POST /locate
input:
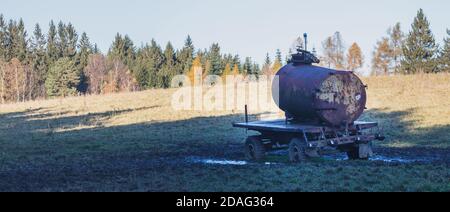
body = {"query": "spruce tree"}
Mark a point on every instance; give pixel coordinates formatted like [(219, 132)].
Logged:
[(63, 78), (247, 67), (156, 61), (278, 62), (419, 49), (61, 41), (130, 51), (444, 58), (237, 61), (95, 49), (123, 49), (186, 56), (256, 70), (82, 58), (52, 44), (39, 61), (215, 59), (22, 42), (168, 70), (141, 67), (278, 56), (72, 40)]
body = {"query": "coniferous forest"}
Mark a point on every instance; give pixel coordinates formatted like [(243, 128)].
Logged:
[(65, 62)]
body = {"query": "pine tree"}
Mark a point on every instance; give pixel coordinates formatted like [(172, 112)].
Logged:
[(278, 56), (256, 70), (420, 49), (63, 78), (168, 70), (355, 58), (72, 40), (186, 56), (141, 68), (267, 67), (444, 57), (82, 58), (39, 62), (95, 49), (130, 51), (215, 59), (16, 43), (237, 61), (247, 67), (123, 49), (277, 64), (52, 44), (156, 60), (61, 41), (21, 42)]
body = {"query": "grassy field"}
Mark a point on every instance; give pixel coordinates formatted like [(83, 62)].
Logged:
[(136, 142)]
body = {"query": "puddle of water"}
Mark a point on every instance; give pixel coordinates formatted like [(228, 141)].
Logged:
[(382, 158), (396, 159), (224, 162), (338, 157), (219, 162)]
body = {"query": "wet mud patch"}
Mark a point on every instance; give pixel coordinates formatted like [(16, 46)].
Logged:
[(280, 157), (224, 162)]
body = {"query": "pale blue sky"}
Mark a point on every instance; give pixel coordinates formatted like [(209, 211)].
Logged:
[(247, 27)]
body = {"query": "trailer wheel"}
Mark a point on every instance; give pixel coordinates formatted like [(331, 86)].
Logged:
[(353, 153), (297, 150), (360, 152), (254, 148)]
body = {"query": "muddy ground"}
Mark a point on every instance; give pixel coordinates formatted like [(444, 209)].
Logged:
[(392, 169)]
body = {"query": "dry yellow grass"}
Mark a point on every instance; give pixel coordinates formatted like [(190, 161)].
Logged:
[(427, 96), (423, 99), (413, 110)]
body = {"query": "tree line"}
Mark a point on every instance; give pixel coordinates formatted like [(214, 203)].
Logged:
[(62, 63), (395, 53)]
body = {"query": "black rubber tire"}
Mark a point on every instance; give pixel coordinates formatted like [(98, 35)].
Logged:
[(254, 149), (353, 154), (297, 150)]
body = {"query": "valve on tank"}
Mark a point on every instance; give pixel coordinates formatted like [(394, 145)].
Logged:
[(303, 56)]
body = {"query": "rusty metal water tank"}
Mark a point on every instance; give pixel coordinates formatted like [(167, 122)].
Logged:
[(309, 93)]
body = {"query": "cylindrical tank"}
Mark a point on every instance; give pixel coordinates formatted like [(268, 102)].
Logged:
[(311, 93)]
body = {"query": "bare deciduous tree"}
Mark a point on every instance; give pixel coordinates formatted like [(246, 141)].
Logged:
[(95, 72)]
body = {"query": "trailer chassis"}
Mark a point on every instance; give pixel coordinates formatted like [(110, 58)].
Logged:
[(308, 140)]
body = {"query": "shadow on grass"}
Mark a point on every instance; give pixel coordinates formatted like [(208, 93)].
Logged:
[(41, 151), (200, 136)]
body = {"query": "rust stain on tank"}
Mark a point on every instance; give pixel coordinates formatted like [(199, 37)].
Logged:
[(341, 89)]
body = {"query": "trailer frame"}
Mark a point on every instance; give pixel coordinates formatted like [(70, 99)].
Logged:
[(307, 139)]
